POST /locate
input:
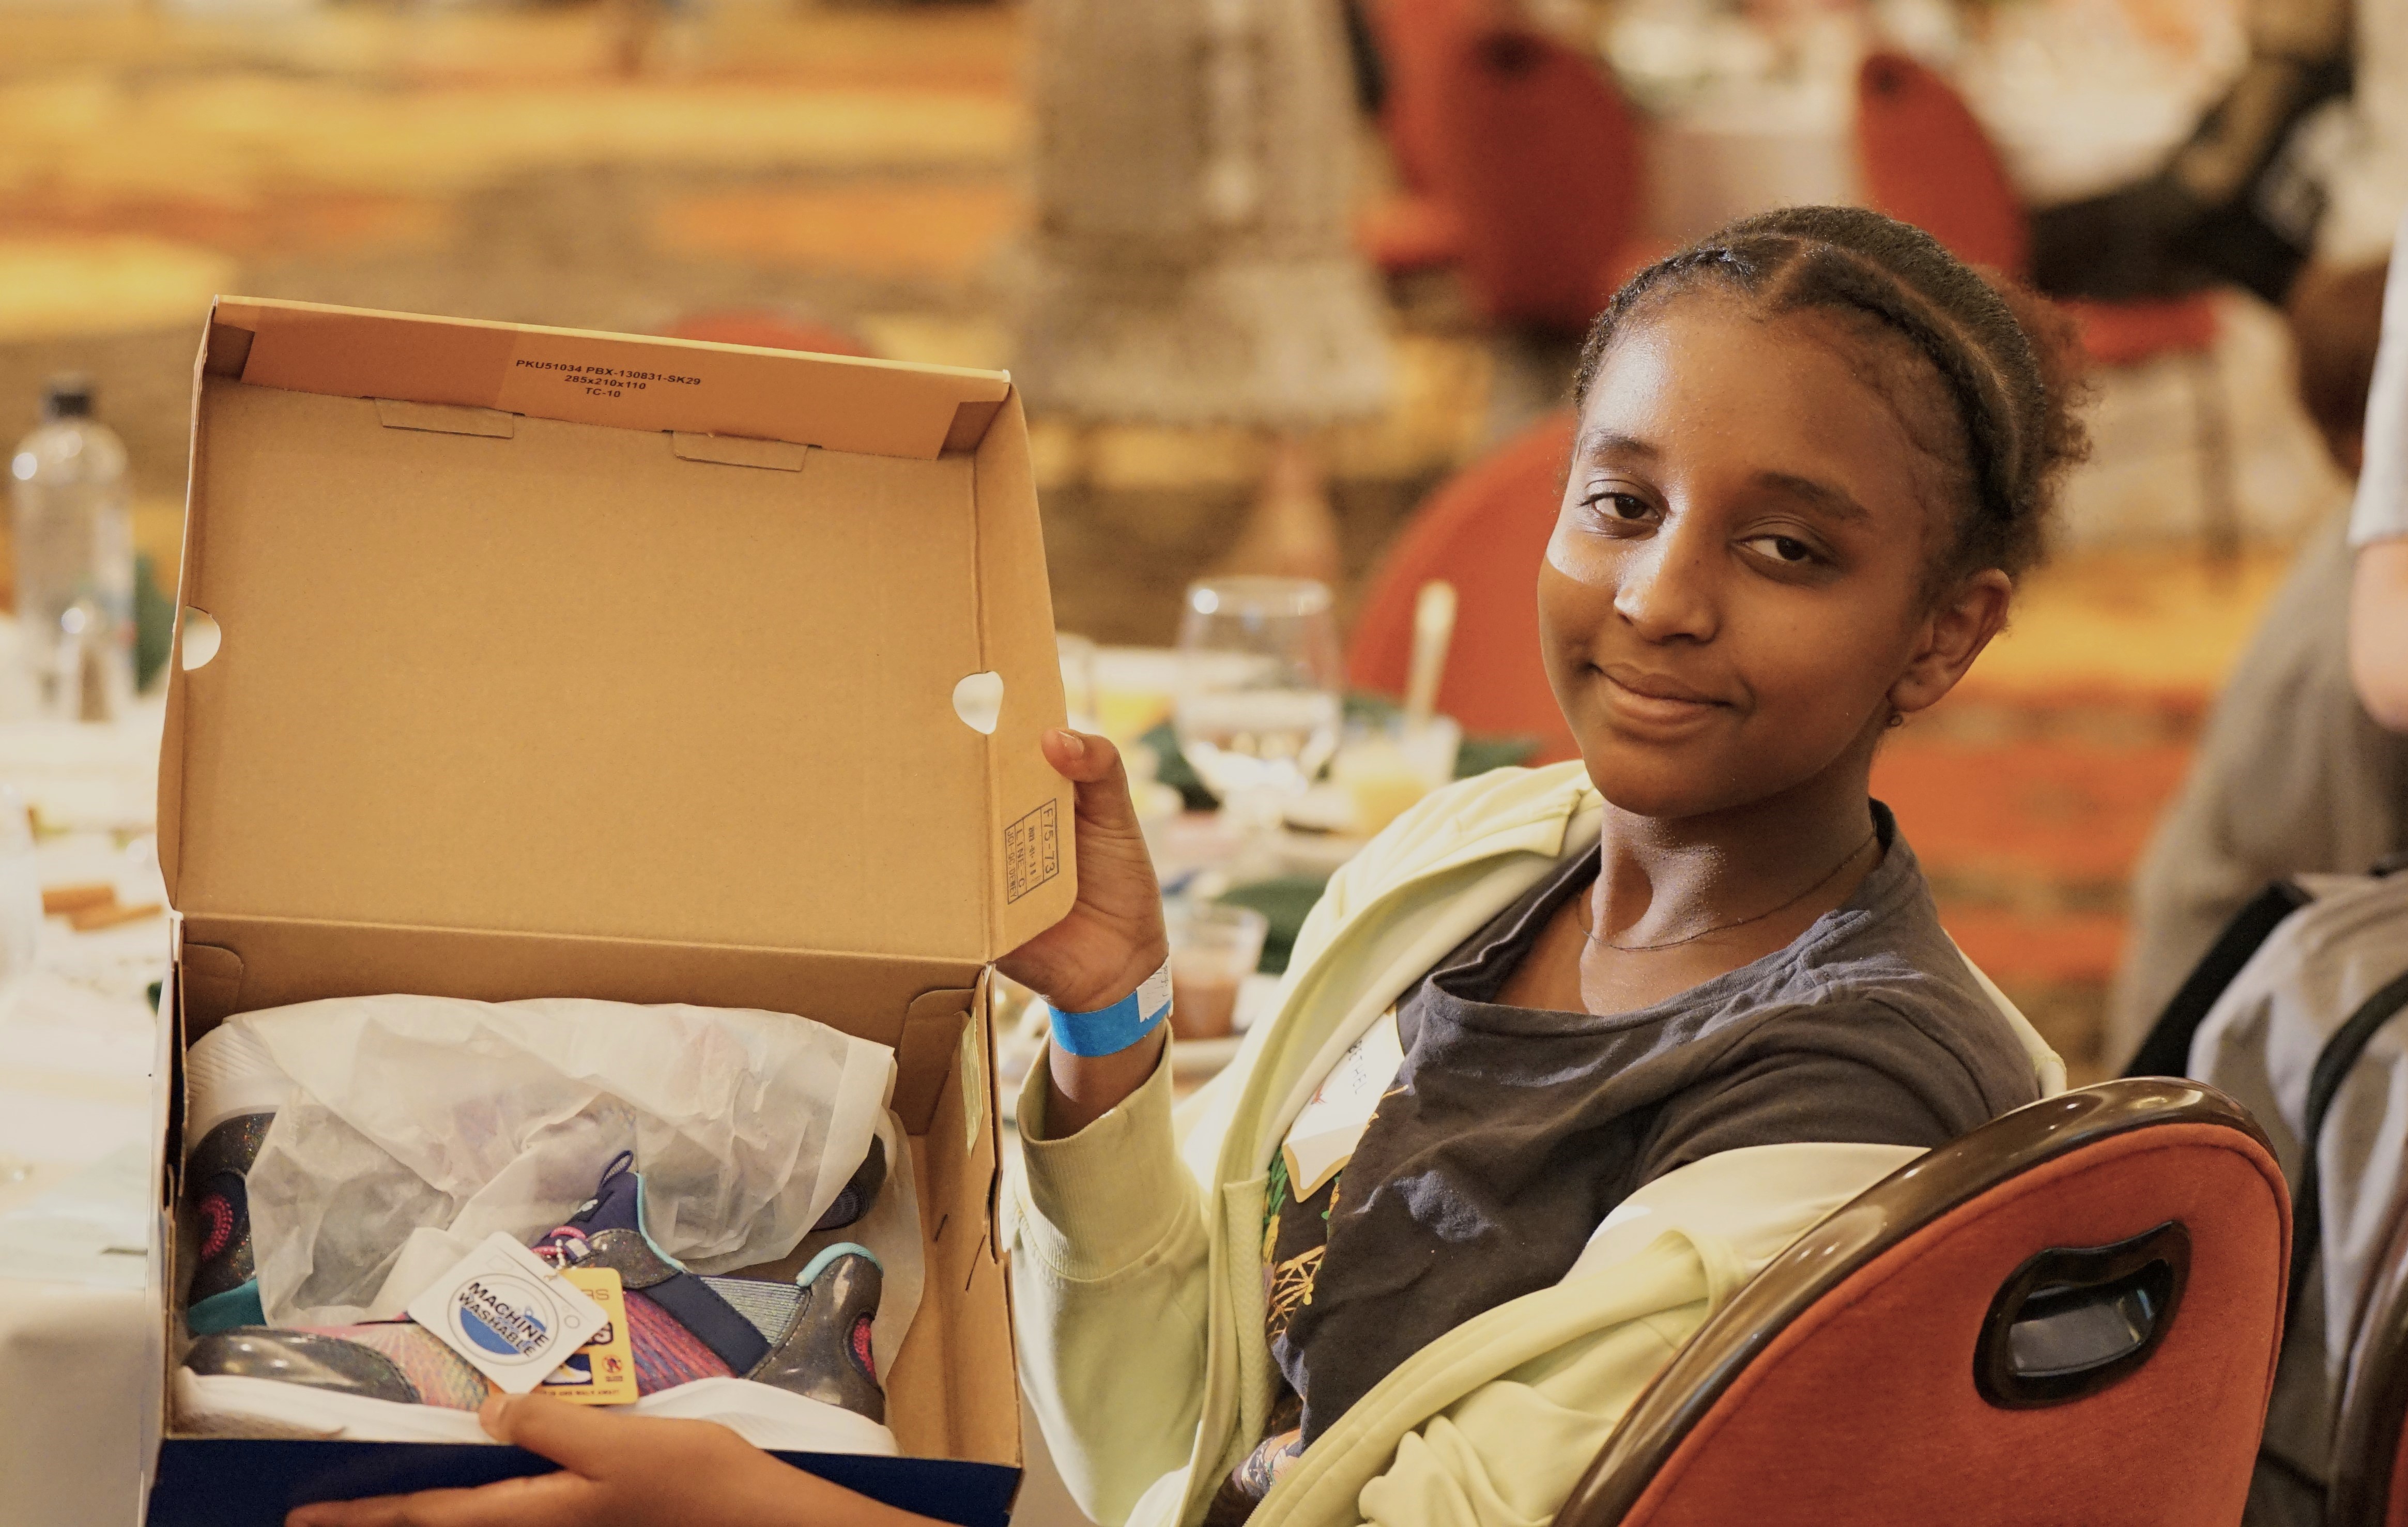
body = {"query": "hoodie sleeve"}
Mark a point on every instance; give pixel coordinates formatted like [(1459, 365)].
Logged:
[(1108, 1288)]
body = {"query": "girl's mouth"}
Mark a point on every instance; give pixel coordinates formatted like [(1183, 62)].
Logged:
[(1654, 702)]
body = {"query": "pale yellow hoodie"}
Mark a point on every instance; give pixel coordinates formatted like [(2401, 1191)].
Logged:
[(1138, 1283)]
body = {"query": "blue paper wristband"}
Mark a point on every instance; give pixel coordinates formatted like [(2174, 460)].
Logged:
[(1108, 1031)]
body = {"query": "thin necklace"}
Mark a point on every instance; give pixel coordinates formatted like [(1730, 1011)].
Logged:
[(1829, 876)]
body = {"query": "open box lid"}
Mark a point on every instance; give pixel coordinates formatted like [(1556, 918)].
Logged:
[(539, 631)]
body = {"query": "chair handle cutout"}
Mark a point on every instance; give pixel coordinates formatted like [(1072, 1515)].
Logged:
[(2073, 1320)]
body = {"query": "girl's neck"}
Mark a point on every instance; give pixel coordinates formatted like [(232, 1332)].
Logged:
[(1663, 879)]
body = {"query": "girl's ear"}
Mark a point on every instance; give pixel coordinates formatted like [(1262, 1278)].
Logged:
[(1959, 625)]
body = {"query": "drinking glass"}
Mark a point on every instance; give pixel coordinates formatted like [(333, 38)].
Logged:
[(1258, 708), (1213, 947)]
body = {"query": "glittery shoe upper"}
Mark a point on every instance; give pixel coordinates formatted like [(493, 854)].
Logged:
[(217, 1210)]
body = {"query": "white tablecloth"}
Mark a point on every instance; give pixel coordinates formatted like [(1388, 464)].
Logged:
[(76, 1043)]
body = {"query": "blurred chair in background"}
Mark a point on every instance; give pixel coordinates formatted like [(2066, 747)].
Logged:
[(1927, 161), (1524, 170), (2112, 1259), (1523, 165), (1542, 161), (1485, 530), (1415, 228)]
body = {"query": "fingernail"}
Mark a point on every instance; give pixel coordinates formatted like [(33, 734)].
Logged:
[(1071, 740)]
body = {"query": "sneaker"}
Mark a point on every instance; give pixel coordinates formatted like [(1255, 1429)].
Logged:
[(860, 1189), (231, 1090), (788, 1366)]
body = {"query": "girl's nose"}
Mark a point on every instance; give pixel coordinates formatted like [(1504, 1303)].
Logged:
[(1668, 591)]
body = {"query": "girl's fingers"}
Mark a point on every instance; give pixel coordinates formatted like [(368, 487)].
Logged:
[(578, 1437), (1080, 756), (1093, 763)]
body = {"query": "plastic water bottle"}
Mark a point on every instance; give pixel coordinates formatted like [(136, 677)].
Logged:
[(75, 558)]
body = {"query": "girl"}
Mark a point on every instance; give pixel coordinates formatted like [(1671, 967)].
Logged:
[(1592, 1043)]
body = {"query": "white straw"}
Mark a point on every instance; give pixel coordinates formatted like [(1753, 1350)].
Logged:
[(1433, 634)]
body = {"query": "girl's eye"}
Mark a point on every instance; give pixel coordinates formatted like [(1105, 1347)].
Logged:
[(1783, 548), (1626, 507)]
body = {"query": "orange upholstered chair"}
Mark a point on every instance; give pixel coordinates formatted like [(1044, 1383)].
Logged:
[(2069, 1316), (1521, 162), (2370, 1456), (1541, 159), (1415, 229), (1485, 531), (1927, 161)]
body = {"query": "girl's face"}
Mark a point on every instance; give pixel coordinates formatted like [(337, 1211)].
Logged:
[(1735, 599)]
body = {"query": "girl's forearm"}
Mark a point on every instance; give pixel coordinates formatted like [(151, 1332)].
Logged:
[(1081, 1088), (2378, 632)]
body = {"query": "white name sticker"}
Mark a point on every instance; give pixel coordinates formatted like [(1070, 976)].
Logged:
[(512, 1317), (1323, 1138), (1154, 996)]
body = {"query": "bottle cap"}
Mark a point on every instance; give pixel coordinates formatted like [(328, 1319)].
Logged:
[(67, 397)]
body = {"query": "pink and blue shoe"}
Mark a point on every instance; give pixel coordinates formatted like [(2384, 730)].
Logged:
[(788, 1366)]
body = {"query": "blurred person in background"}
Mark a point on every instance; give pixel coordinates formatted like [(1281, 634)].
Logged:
[(2292, 776), (1193, 262), (2306, 155), (2378, 526)]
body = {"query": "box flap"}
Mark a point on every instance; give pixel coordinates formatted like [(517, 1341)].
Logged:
[(539, 632)]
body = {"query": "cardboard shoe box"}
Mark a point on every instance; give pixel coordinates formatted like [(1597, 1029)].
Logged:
[(522, 661)]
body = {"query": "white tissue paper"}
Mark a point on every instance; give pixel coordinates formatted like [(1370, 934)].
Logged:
[(418, 1126)]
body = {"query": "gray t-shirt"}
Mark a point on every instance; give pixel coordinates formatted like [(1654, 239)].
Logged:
[(1512, 1131)]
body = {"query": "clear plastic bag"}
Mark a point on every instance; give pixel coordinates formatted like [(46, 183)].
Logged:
[(420, 1126)]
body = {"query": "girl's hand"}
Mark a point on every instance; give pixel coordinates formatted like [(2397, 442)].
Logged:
[(1112, 937), (626, 1471)]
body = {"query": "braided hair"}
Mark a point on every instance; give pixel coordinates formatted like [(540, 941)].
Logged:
[(2008, 363)]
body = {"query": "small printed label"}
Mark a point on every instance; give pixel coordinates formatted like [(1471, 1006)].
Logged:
[(1032, 853), (603, 1371), (511, 1316), (593, 379)]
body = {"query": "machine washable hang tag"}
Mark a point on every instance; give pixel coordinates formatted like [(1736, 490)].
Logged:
[(1321, 1140), (512, 1317), (603, 1371)]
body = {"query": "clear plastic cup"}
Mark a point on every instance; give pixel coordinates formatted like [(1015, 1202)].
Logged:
[(1385, 766), (1213, 948)]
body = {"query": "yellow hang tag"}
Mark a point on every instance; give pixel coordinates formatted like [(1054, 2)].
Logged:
[(603, 1371)]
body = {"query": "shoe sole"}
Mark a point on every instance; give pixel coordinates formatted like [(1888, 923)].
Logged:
[(220, 1403)]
